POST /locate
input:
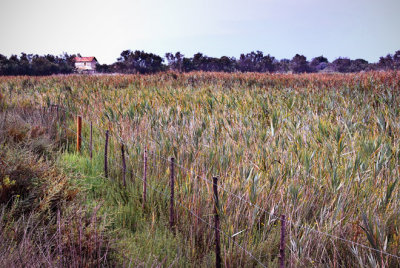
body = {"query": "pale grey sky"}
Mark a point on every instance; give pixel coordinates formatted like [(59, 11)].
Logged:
[(349, 28)]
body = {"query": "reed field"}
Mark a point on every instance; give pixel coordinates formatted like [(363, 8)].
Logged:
[(321, 149)]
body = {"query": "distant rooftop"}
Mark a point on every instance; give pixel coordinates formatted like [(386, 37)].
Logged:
[(85, 59)]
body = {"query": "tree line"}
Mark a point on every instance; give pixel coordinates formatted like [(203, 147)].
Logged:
[(146, 63), (30, 64)]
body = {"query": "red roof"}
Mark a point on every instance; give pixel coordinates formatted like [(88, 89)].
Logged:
[(85, 59)]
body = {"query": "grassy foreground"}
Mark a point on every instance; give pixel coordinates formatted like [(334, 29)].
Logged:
[(322, 149), (42, 221), (58, 210)]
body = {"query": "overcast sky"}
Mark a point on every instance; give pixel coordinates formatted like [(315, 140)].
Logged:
[(349, 28)]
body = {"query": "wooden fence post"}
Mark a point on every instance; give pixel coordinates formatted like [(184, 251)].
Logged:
[(171, 205), (282, 245), (216, 224), (123, 165), (144, 176), (79, 133), (91, 140), (106, 157)]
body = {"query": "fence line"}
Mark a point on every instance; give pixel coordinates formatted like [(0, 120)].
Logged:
[(310, 229), (184, 207)]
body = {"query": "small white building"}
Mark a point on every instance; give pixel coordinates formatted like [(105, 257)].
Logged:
[(86, 64)]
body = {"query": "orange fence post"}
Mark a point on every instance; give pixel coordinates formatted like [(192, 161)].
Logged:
[(79, 134)]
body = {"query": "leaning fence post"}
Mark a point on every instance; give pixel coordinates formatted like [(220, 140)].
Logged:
[(144, 176), (91, 140), (105, 156), (282, 245), (123, 165), (79, 133), (216, 224), (171, 205)]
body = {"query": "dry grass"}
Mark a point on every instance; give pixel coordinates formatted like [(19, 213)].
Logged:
[(321, 149), (41, 224)]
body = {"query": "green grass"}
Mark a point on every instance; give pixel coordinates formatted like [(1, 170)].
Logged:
[(142, 237)]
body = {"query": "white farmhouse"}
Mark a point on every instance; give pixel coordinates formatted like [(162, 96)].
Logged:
[(85, 64)]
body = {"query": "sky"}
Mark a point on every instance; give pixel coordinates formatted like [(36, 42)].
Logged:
[(364, 29)]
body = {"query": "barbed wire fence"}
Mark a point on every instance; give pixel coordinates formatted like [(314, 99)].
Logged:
[(164, 194), (222, 187)]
